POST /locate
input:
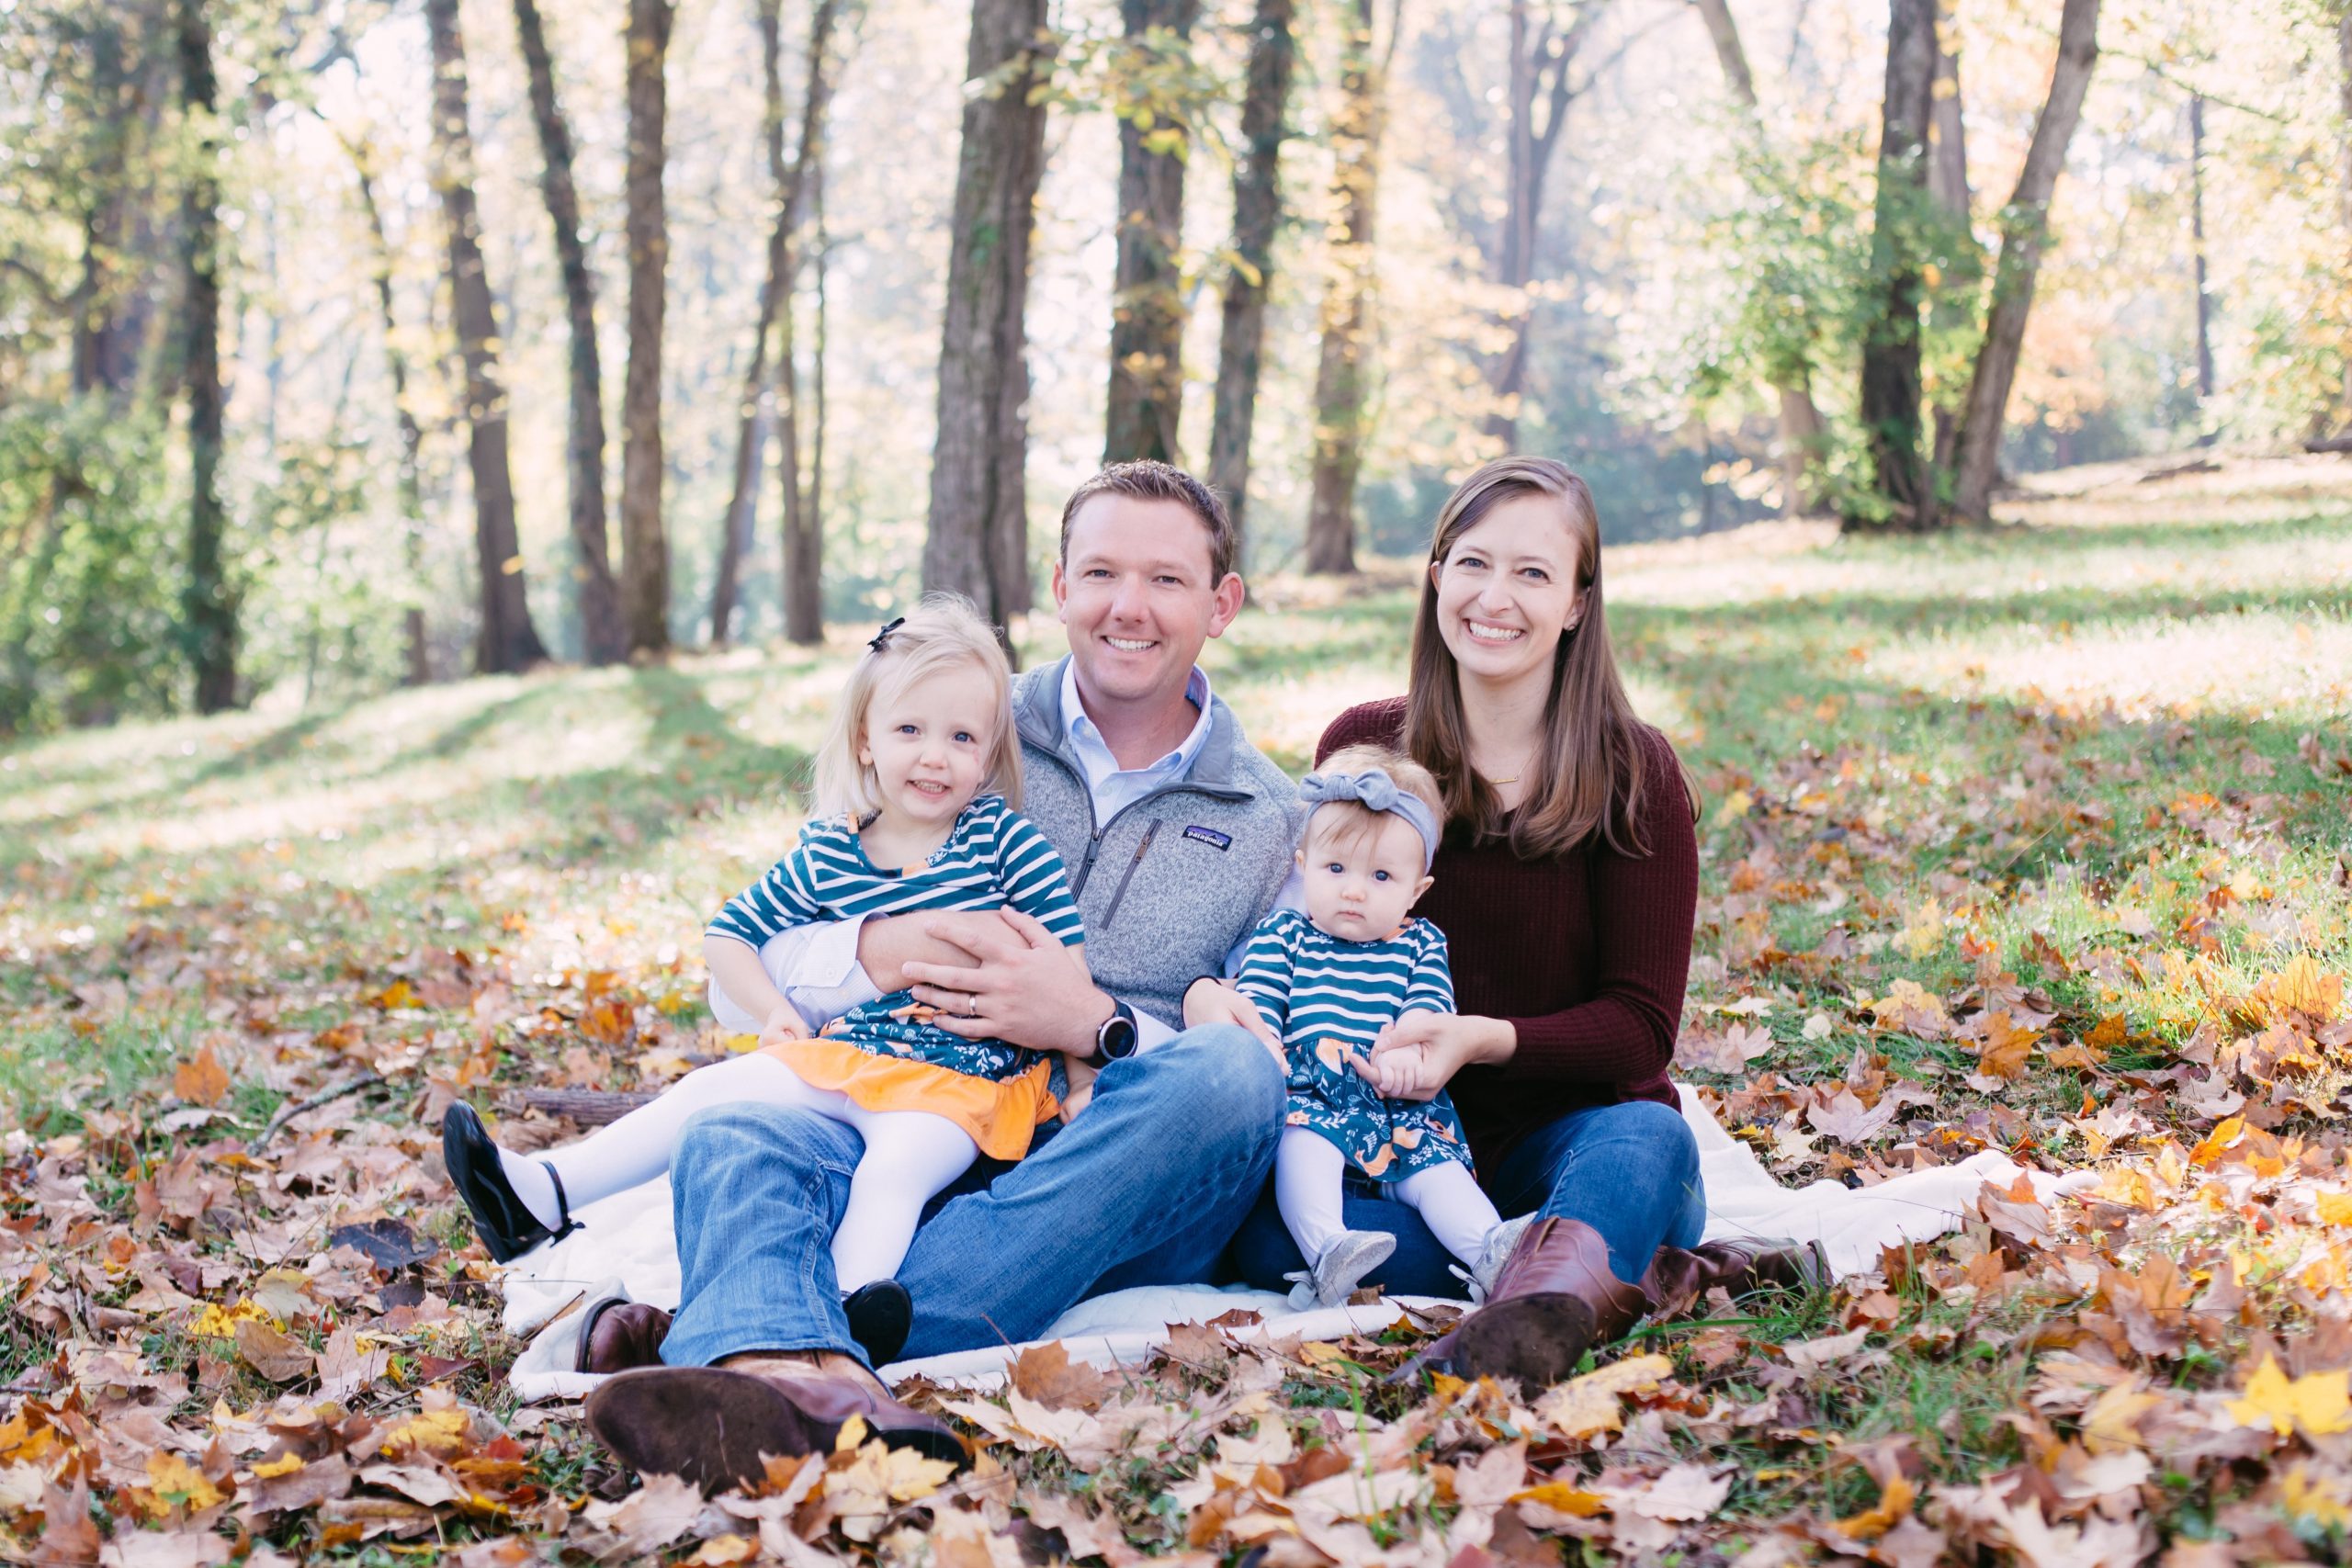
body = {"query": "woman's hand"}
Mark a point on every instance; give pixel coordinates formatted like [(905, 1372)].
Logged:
[(785, 1023), (1418, 1054), (1211, 1000)]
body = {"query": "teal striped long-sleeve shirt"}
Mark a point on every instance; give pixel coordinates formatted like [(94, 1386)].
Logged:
[(993, 858)]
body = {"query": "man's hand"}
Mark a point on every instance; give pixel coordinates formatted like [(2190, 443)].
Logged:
[(1418, 1053), (1019, 983), (785, 1023), (887, 944), (1211, 1000)]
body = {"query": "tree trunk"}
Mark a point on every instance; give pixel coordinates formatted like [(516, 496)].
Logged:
[(756, 412), (1724, 33), (763, 407), (411, 488), (1536, 105), (1800, 421), (2196, 248), (2025, 225), (645, 549), (1147, 393), (2343, 86), (604, 638), (1948, 193), (804, 545), (978, 539), (1890, 391), (104, 357), (507, 640), (209, 607), (1257, 213), (1343, 415)]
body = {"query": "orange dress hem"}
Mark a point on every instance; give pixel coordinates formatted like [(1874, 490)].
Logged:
[(1000, 1115)]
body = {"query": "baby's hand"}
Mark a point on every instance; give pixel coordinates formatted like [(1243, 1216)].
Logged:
[(1209, 1000), (1400, 1072), (783, 1024)]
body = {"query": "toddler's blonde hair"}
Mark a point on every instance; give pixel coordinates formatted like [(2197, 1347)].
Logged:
[(1347, 821), (942, 632)]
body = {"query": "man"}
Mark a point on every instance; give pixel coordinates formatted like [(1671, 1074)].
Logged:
[(1177, 835)]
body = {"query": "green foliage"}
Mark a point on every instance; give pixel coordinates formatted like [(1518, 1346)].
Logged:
[(313, 562), (89, 568)]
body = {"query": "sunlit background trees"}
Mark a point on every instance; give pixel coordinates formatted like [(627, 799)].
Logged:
[(345, 342)]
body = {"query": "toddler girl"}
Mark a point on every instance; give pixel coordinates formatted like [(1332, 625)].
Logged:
[(912, 790), (1328, 978)]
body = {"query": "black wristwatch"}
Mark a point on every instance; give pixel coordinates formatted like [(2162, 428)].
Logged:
[(1115, 1037)]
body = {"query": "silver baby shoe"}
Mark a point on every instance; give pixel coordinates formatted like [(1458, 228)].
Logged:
[(1346, 1260)]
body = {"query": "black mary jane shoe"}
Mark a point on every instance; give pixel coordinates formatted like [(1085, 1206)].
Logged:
[(880, 1315), (505, 1222)]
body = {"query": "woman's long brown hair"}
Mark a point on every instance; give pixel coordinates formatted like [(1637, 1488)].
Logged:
[(1588, 770)]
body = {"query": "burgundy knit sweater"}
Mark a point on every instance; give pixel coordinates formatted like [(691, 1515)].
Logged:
[(1585, 956)]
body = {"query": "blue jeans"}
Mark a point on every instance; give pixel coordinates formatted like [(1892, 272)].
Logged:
[(1630, 1171), (1145, 1187)]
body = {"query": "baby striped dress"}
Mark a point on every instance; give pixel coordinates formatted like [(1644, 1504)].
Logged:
[(1327, 997)]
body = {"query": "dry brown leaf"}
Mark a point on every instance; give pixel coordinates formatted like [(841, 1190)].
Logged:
[(278, 1356), (201, 1080), (1046, 1374)]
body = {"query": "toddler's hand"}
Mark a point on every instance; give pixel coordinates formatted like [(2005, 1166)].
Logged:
[(785, 1023)]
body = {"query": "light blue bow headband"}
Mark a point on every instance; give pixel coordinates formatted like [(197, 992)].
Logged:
[(1376, 789)]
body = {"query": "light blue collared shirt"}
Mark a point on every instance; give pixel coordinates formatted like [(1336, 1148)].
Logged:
[(1116, 788)]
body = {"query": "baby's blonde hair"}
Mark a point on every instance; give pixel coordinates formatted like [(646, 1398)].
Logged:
[(1347, 821), (940, 633)]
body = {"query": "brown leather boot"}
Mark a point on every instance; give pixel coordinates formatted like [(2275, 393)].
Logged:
[(620, 1334), (1553, 1298), (1679, 1276), (717, 1426)]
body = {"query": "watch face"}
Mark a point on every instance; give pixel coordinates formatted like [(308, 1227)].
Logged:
[(1116, 1038)]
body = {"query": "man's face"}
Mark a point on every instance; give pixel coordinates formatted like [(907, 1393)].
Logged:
[(1135, 590)]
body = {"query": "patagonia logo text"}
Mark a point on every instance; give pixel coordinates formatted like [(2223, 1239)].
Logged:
[(1209, 836)]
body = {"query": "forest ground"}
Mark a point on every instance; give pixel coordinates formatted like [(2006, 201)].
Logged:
[(2035, 839)]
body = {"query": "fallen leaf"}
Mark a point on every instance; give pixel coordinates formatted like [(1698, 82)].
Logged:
[(650, 1517), (1811, 1355), (201, 1080), (2320, 1403), (277, 1356), (1582, 1406), (1046, 1374)]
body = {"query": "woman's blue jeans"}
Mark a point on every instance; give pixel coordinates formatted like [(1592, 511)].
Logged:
[(1629, 1170)]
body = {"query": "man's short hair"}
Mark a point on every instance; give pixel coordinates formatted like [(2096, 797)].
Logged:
[(1147, 478)]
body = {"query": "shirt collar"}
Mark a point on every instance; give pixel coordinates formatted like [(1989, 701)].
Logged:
[(1082, 731)]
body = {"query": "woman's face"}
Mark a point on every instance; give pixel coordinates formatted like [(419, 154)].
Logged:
[(1507, 590)]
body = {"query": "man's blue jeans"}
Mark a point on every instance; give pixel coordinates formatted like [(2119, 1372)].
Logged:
[(1630, 1171), (1145, 1187)]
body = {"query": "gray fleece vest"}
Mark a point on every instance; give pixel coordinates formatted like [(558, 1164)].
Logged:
[(1169, 884)]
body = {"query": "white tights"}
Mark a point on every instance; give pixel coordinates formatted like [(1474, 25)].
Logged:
[(910, 1156), (1307, 1172)]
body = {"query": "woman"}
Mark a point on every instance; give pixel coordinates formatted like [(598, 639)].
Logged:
[(1566, 886)]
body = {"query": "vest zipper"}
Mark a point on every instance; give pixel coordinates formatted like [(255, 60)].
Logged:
[(1121, 891), (1100, 829)]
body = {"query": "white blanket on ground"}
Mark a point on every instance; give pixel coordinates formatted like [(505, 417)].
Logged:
[(627, 1248)]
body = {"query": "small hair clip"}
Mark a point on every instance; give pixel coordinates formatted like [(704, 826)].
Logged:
[(877, 641)]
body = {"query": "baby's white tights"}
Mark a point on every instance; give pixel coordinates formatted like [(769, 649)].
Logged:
[(910, 1156), (1308, 1169)]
